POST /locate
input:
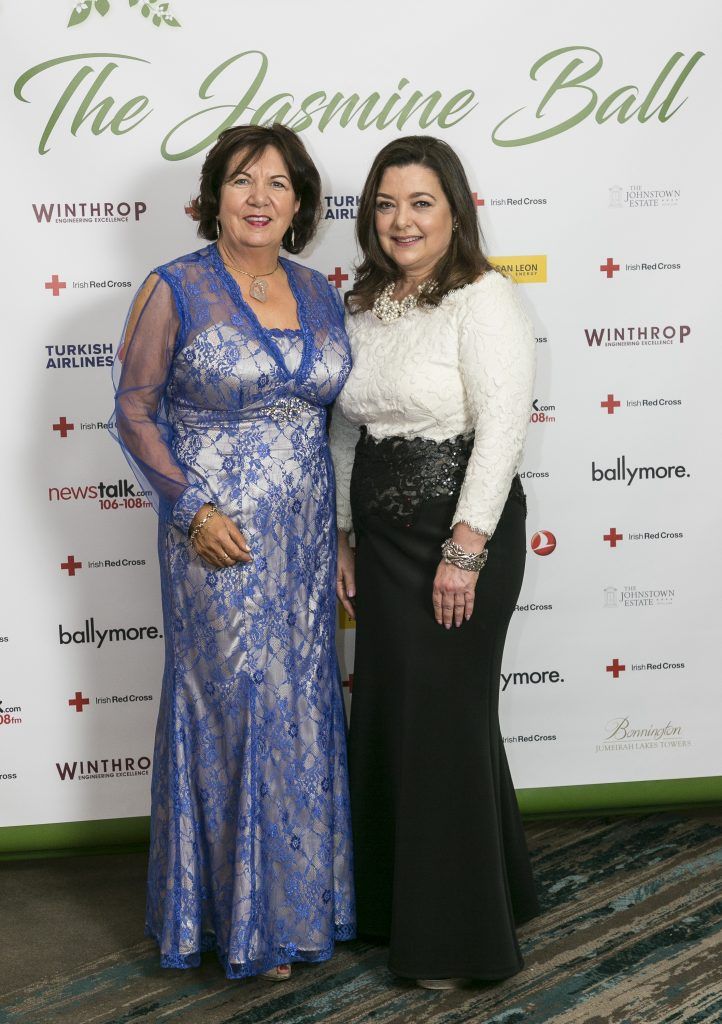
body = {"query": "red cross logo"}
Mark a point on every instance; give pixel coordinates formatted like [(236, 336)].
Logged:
[(348, 683), (609, 267), (71, 565), (475, 197), (338, 277), (610, 405), (78, 702), (55, 284), (613, 537), (615, 668), (63, 427)]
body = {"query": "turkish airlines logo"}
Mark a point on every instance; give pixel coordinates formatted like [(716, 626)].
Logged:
[(543, 542)]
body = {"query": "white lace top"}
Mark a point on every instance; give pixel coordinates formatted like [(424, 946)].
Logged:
[(467, 364)]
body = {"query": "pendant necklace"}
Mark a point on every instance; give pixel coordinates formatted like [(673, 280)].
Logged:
[(259, 286)]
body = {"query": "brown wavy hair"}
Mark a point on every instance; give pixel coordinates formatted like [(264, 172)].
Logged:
[(463, 262), (247, 142)]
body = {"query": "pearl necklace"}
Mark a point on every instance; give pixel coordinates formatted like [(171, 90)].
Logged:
[(388, 309)]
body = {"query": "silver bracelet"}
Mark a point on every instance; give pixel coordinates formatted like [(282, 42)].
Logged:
[(453, 554), (212, 511)]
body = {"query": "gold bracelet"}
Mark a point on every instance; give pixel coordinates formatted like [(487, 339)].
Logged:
[(212, 511)]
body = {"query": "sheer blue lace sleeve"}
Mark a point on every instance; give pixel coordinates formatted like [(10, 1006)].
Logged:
[(140, 424), (343, 437)]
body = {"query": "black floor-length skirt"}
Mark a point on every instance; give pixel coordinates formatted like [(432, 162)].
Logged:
[(442, 868)]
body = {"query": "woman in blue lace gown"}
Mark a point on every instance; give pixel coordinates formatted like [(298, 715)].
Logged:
[(230, 358)]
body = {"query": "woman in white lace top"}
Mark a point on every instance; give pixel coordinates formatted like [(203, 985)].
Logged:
[(427, 437)]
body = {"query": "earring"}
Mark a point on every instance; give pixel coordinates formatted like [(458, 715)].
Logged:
[(454, 225), (293, 236), (219, 227)]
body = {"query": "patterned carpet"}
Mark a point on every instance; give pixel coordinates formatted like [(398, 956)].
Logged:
[(631, 933)]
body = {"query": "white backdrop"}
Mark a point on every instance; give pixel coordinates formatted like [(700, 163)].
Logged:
[(587, 133)]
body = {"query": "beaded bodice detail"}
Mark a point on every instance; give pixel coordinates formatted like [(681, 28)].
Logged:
[(393, 476)]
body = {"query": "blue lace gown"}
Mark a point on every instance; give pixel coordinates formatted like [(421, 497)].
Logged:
[(250, 827)]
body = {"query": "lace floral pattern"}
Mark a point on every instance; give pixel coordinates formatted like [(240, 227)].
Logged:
[(392, 477), (250, 829), (465, 365)]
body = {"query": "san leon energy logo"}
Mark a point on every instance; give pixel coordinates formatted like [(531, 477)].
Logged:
[(522, 269), (543, 542), (622, 472)]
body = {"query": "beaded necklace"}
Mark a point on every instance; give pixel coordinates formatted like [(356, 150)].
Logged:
[(388, 309)]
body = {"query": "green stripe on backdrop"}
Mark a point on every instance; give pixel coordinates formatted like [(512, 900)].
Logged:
[(614, 796)]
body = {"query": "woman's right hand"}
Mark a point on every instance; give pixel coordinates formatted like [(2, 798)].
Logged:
[(219, 542), (346, 574)]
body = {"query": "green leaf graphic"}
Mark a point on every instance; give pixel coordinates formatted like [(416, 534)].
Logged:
[(79, 14), (158, 11)]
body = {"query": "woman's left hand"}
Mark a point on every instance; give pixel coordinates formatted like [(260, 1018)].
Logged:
[(453, 594)]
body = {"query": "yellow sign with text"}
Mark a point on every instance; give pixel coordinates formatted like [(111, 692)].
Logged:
[(522, 269), (344, 619)]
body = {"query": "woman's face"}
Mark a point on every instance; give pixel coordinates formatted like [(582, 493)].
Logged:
[(413, 219), (257, 202)]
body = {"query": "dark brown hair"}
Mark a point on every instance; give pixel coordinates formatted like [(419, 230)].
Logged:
[(464, 260), (247, 142)]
